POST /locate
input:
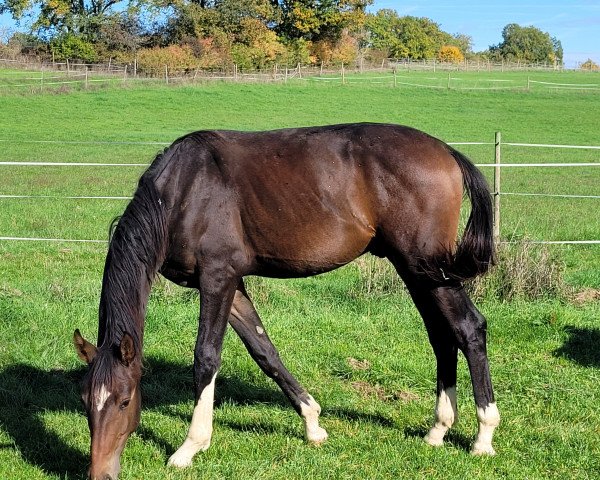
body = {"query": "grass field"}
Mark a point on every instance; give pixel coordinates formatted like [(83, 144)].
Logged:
[(543, 352)]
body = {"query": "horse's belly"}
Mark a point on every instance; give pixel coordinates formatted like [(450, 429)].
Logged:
[(301, 254)]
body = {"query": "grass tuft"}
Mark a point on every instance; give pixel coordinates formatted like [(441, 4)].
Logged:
[(524, 271)]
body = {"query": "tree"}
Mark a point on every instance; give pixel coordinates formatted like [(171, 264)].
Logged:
[(56, 17), (589, 65), (405, 37), (451, 54), (528, 44), (316, 20)]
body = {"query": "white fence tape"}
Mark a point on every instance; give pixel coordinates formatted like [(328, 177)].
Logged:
[(74, 164), (93, 164), (28, 239), (555, 195), (86, 142), (68, 240), (57, 197), (571, 164)]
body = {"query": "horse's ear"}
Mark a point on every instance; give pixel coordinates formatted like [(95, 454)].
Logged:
[(85, 350), (127, 349)]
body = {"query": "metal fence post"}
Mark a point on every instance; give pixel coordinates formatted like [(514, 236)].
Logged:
[(497, 143)]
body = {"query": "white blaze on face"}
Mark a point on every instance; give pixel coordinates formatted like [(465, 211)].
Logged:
[(101, 397)]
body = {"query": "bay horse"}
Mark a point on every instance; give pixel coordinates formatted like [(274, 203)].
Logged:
[(217, 206)]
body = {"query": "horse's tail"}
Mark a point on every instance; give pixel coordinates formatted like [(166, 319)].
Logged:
[(475, 251)]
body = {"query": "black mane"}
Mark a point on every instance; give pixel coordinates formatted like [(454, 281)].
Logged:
[(136, 250)]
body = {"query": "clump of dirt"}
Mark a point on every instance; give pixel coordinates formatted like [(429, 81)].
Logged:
[(587, 295), (366, 389), (358, 364)]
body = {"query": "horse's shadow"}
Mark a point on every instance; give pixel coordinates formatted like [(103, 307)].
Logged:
[(581, 346), (29, 394)]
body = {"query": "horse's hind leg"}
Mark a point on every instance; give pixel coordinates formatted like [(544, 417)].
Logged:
[(453, 321), (247, 324)]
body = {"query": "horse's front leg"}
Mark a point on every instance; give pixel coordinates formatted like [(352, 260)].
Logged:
[(216, 297)]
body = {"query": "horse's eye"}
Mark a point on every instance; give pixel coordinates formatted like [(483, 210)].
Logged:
[(124, 404)]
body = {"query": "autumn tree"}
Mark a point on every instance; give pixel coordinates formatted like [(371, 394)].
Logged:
[(450, 54), (589, 65), (316, 20)]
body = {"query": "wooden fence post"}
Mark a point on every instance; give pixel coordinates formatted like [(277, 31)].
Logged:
[(86, 77), (166, 74), (497, 159), (343, 76)]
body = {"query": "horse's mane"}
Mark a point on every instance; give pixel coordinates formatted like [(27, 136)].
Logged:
[(136, 251)]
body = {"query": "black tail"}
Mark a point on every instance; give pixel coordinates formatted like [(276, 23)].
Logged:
[(475, 252), (138, 246)]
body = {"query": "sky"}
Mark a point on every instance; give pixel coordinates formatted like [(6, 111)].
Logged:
[(575, 23)]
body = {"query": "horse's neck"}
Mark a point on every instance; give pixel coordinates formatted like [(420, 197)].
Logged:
[(123, 302)]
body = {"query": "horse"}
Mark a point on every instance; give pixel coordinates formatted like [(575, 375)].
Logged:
[(217, 206)]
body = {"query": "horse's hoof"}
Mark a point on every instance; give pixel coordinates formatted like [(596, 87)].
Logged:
[(483, 449), (434, 441), (317, 436), (182, 458), (179, 461)]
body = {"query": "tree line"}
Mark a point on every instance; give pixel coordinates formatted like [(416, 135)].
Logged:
[(213, 34)]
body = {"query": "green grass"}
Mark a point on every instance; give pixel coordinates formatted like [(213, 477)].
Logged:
[(543, 353)]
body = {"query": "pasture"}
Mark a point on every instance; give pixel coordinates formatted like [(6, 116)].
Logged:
[(352, 337)]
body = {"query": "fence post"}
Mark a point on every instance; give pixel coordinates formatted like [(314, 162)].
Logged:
[(497, 158), (448, 80), (86, 77), (343, 76), (166, 74)]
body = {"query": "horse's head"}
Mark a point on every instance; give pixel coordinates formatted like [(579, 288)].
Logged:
[(112, 400)]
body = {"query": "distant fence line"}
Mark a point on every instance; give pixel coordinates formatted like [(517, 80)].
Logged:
[(392, 72), (360, 65), (496, 193)]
